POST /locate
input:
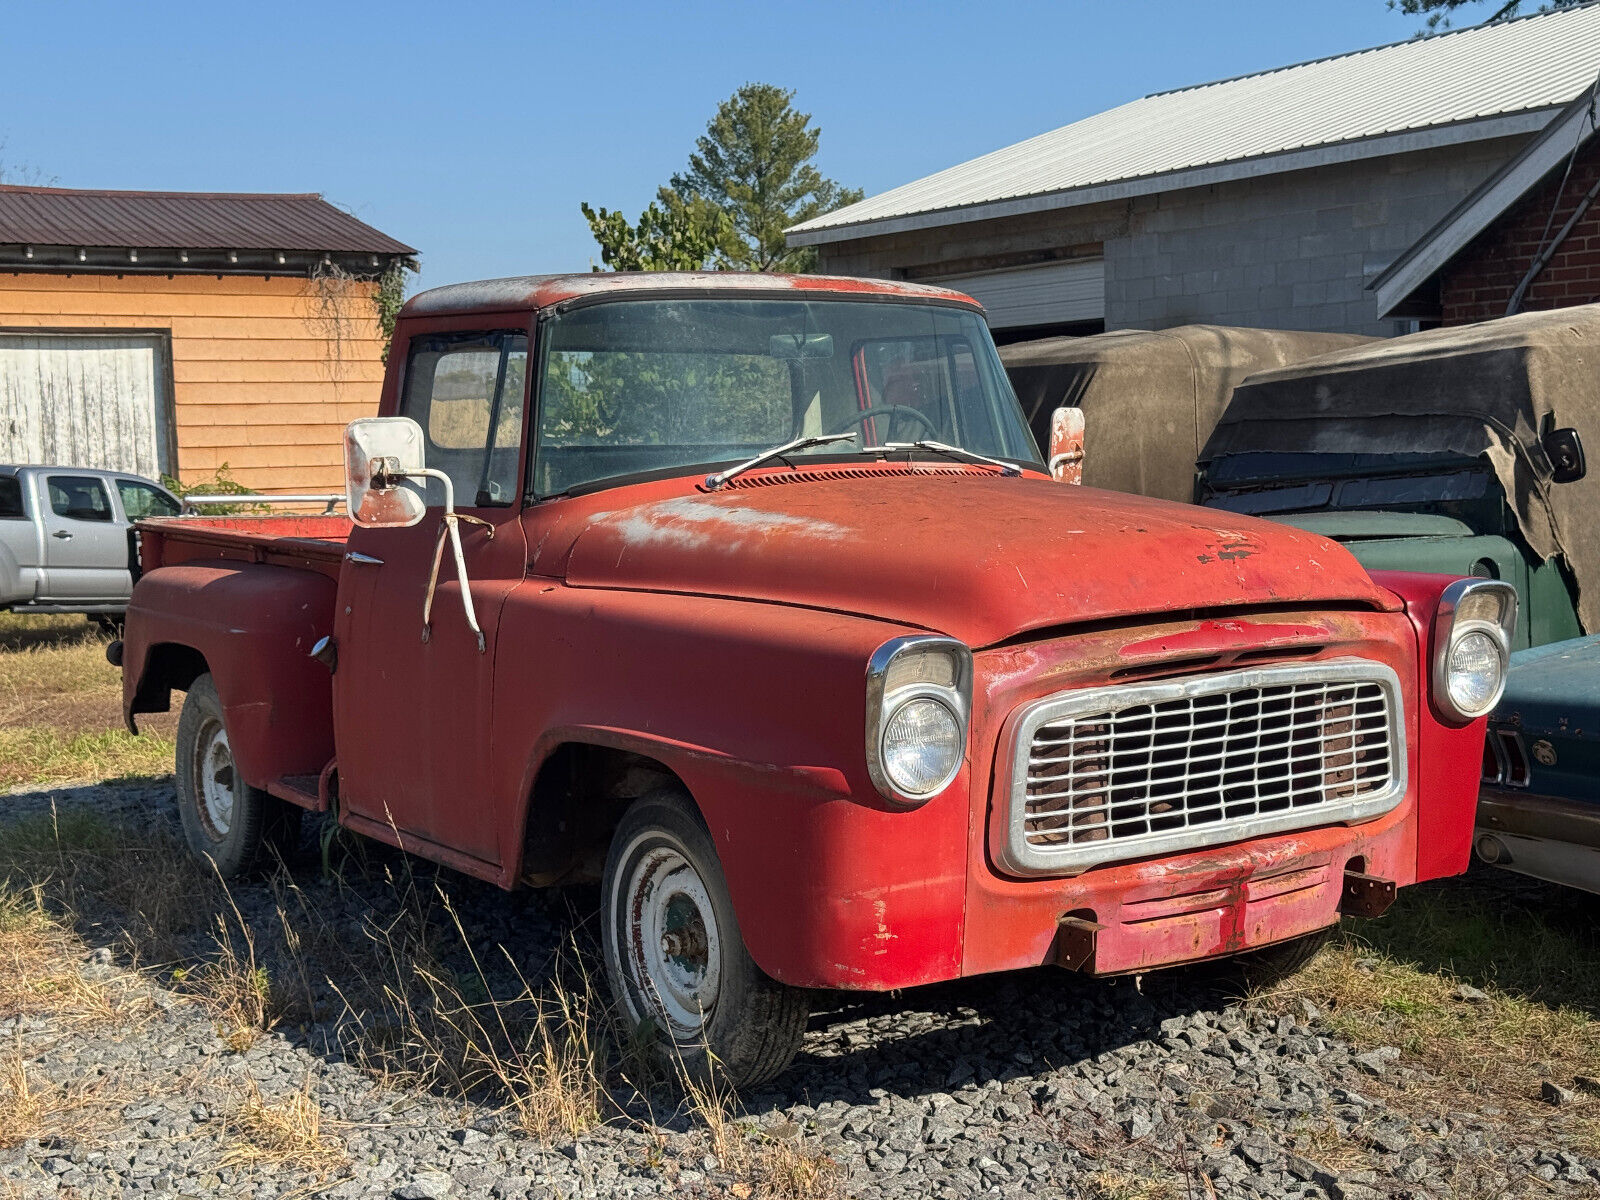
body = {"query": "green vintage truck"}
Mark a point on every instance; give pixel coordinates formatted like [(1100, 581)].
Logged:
[(1461, 451)]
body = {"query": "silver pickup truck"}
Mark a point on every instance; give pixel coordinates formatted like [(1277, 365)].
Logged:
[(66, 537)]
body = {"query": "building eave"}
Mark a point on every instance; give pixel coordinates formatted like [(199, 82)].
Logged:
[(1480, 209), (1403, 142), (19, 258)]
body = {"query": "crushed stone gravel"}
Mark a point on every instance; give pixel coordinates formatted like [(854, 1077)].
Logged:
[(1038, 1084)]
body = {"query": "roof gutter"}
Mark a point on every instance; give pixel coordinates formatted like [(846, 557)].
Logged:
[(1458, 133)]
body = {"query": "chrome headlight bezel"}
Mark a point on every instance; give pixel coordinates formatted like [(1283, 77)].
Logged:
[(1459, 615), (886, 696)]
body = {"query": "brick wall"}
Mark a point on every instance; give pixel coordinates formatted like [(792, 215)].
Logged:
[(1479, 282)]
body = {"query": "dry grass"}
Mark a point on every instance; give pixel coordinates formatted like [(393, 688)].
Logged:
[(1531, 950), (1120, 1185), (765, 1165), (288, 1132), (22, 1111), (61, 708), (39, 973)]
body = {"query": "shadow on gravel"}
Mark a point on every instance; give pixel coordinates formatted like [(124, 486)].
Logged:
[(1492, 928), (374, 962), (332, 956)]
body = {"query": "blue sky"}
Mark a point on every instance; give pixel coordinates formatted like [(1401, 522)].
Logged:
[(472, 131)]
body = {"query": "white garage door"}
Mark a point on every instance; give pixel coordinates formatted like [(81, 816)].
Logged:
[(84, 400), (1049, 294)]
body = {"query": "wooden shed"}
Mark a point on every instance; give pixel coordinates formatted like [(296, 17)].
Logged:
[(175, 333)]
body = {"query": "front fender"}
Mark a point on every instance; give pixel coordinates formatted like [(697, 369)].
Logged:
[(1449, 757), (760, 710), (254, 626)]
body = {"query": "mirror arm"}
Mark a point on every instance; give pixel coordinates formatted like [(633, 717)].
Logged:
[(449, 527)]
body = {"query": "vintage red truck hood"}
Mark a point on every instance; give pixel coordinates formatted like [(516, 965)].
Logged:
[(967, 553)]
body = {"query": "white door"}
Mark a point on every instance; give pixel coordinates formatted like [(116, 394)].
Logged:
[(85, 400), (1057, 293)]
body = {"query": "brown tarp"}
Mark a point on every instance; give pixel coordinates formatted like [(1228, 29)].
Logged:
[(1149, 398), (1488, 389)]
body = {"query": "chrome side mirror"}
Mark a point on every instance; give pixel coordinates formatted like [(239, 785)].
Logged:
[(380, 453), (1066, 445)]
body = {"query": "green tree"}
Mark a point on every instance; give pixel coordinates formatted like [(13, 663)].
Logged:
[(672, 234), (750, 178), (1438, 12), (754, 162)]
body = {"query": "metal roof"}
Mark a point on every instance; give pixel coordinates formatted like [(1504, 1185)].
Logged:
[(41, 216), (1462, 85)]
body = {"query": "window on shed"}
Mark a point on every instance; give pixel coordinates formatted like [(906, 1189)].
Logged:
[(79, 498), (466, 391)]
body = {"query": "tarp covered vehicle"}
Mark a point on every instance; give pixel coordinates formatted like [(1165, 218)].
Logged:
[(1461, 451), (1149, 397)]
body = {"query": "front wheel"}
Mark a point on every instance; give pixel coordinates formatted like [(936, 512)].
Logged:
[(675, 957), (1272, 965), (226, 820)]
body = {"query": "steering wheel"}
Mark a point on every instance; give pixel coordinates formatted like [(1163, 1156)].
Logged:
[(891, 411)]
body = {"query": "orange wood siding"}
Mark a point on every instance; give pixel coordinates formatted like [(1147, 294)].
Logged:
[(265, 372)]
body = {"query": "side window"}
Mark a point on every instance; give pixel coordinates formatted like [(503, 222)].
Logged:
[(11, 499), (466, 391), (79, 498), (140, 500)]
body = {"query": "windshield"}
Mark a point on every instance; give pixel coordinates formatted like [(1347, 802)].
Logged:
[(637, 386)]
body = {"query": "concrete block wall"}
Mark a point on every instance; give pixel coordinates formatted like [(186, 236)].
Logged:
[(1478, 284), (1287, 251)]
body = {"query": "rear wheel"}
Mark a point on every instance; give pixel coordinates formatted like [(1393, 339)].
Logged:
[(675, 957), (236, 826)]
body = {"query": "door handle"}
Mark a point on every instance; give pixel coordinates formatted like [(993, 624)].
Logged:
[(62, 534), (365, 560)]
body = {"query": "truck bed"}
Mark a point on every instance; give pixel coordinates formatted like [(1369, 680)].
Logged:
[(308, 542)]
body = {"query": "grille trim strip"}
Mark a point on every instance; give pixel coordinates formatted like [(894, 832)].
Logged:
[(1334, 727)]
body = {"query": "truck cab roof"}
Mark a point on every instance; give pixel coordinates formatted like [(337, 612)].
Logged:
[(534, 292)]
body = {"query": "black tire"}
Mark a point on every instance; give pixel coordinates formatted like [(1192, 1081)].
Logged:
[(1272, 965), (754, 1023), (257, 827)]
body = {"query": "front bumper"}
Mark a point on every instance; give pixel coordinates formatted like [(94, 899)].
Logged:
[(1207, 904), (1545, 837)]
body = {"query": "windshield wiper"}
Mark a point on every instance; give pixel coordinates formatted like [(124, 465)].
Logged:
[(713, 482), (943, 448)]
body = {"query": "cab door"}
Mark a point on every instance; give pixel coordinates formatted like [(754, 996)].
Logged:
[(413, 708), (85, 546)]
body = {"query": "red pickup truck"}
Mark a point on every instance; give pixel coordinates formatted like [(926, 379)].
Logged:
[(749, 597)]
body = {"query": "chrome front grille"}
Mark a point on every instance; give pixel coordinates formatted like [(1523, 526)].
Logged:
[(1113, 773)]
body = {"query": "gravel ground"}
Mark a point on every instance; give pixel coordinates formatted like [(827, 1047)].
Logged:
[(1037, 1084)]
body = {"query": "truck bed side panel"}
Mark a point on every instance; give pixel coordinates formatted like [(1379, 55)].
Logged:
[(255, 625)]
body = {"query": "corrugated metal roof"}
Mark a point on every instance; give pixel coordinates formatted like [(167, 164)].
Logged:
[(184, 221), (1533, 63)]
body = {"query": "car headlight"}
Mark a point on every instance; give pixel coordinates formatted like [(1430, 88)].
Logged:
[(1472, 647), (919, 696)]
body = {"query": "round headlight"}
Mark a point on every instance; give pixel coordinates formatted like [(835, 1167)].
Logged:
[(1474, 672), (921, 746)]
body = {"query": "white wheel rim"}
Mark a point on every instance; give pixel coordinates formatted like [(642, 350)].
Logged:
[(671, 948), (215, 780)]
